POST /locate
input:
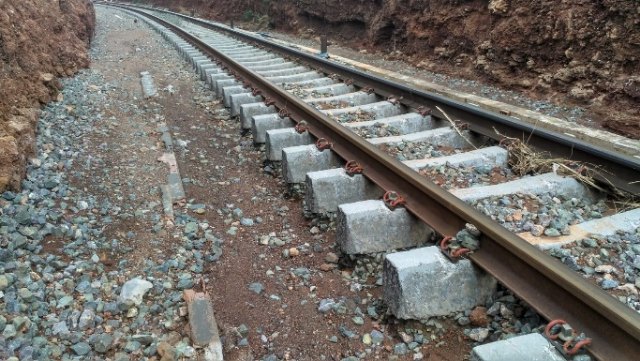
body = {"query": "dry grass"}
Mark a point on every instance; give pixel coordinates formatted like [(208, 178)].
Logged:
[(455, 127), (525, 160)]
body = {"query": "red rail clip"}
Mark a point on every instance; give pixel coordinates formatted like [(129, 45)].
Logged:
[(368, 90), (424, 111), (255, 91), (323, 144), (462, 125), (575, 348), (283, 113), (301, 127), (393, 100), (353, 167), (452, 253), (392, 199), (550, 326), (570, 346), (269, 102)]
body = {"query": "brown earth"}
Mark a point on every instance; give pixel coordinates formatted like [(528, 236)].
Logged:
[(569, 51), (40, 41)]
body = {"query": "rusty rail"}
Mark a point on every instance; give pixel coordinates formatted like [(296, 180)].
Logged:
[(616, 169), (552, 289)]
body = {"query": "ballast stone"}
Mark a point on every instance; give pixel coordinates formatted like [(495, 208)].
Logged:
[(133, 291), (423, 283), (627, 221), (531, 347)]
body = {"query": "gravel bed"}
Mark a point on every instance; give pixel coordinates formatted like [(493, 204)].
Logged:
[(81, 301), (334, 104), (294, 88), (503, 317), (450, 177), (540, 214), (378, 130), (612, 262), (90, 266), (270, 267), (303, 94), (407, 150), (355, 116)]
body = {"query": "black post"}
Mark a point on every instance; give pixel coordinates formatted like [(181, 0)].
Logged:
[(324, 52), (323, 44)]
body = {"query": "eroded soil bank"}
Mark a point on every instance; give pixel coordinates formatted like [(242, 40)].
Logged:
[(570, 51), (40, 41)]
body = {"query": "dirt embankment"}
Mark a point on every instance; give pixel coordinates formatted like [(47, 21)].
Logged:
[(578, 51), (40, 41)]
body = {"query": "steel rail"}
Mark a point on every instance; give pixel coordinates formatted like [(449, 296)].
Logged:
[(616, 169), (546, 284)]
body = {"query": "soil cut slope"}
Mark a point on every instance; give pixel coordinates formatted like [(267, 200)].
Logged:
[(40, 41)]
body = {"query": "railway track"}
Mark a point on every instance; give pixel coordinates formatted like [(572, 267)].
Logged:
[(398, 141)]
